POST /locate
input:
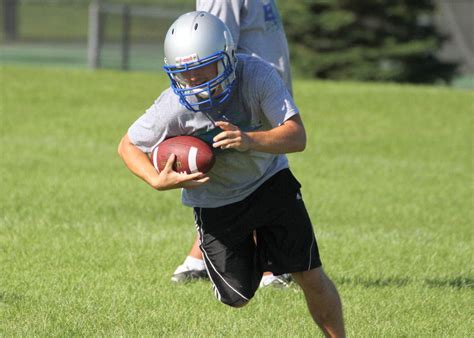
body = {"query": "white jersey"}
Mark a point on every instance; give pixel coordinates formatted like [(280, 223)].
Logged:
[(256, 28), (259, 101)]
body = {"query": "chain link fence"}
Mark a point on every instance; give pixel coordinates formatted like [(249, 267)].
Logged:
[(49, 32)]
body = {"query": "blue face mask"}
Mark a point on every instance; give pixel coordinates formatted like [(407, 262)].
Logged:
[(202, 97)]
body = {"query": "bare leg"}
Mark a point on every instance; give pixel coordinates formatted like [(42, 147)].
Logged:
[(323, 301), (192, 268), (195, 250)]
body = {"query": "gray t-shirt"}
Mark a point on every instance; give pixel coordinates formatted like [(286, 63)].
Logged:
[(259, 101), (256, 28)]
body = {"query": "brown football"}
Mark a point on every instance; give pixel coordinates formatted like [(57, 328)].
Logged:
[(192, 154)]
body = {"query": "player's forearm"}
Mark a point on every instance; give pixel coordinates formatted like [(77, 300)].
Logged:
[(140, 165), (287, 138), (280, 140), (137, 161)]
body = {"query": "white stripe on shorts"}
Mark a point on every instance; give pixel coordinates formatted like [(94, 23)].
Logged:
[(205, 254), (312, 243), (197, 220)]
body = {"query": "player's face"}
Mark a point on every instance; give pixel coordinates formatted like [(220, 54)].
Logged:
[(195, 77)]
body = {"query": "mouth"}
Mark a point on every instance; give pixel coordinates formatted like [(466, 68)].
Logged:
[(205, 94)]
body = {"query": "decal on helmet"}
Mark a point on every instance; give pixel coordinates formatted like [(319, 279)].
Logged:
[(186, 59)]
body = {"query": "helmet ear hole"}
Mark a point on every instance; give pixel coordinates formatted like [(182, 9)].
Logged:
[(196, 26)]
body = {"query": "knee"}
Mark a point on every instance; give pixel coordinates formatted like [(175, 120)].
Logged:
[(235, 303), (240, 304), (233, 300), (314, 280)]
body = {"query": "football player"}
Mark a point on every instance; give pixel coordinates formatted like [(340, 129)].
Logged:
[(242, 107)]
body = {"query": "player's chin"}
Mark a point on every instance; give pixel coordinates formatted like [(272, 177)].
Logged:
[(215, 92)]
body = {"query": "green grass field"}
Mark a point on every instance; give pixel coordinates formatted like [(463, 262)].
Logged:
[(87, 249)]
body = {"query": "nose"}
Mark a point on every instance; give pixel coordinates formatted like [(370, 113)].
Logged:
[(192, 76)]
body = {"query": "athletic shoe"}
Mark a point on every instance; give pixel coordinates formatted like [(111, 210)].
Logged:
[(273, 281), (184, 274), (287, 277)]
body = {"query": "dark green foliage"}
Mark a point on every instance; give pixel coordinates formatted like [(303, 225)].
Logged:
[(378, 40)]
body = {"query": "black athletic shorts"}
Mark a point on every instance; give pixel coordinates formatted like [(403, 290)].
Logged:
[(285, 238)]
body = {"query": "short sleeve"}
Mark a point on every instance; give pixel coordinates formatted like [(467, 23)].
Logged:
[(275, 100), (152, 127)]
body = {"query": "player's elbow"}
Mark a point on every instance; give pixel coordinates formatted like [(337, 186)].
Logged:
[(300, 141), (121, 146), (297, 136), (303, 143), (300, 148)]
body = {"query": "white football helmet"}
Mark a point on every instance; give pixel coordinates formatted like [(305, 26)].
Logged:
[(195, 40)]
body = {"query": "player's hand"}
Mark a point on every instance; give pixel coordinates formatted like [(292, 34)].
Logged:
[(170, 179), (231, 137)]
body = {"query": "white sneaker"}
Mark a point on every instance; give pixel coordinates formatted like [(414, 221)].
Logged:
[(274, 281), (185, 274)]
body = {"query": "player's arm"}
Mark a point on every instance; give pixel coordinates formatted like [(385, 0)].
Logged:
[(288, 137), (139, 164)]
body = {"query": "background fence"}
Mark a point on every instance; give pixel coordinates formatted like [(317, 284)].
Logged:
[(131, 32), (56, 33)]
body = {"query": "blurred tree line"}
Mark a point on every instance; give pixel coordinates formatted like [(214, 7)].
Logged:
[(377, 40)]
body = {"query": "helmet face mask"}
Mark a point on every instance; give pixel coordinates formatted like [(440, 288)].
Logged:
[(209, 92), (200, 60)]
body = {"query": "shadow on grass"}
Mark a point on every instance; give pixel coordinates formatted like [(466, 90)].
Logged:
[(373, 282), (457, 283), (9, 298)]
